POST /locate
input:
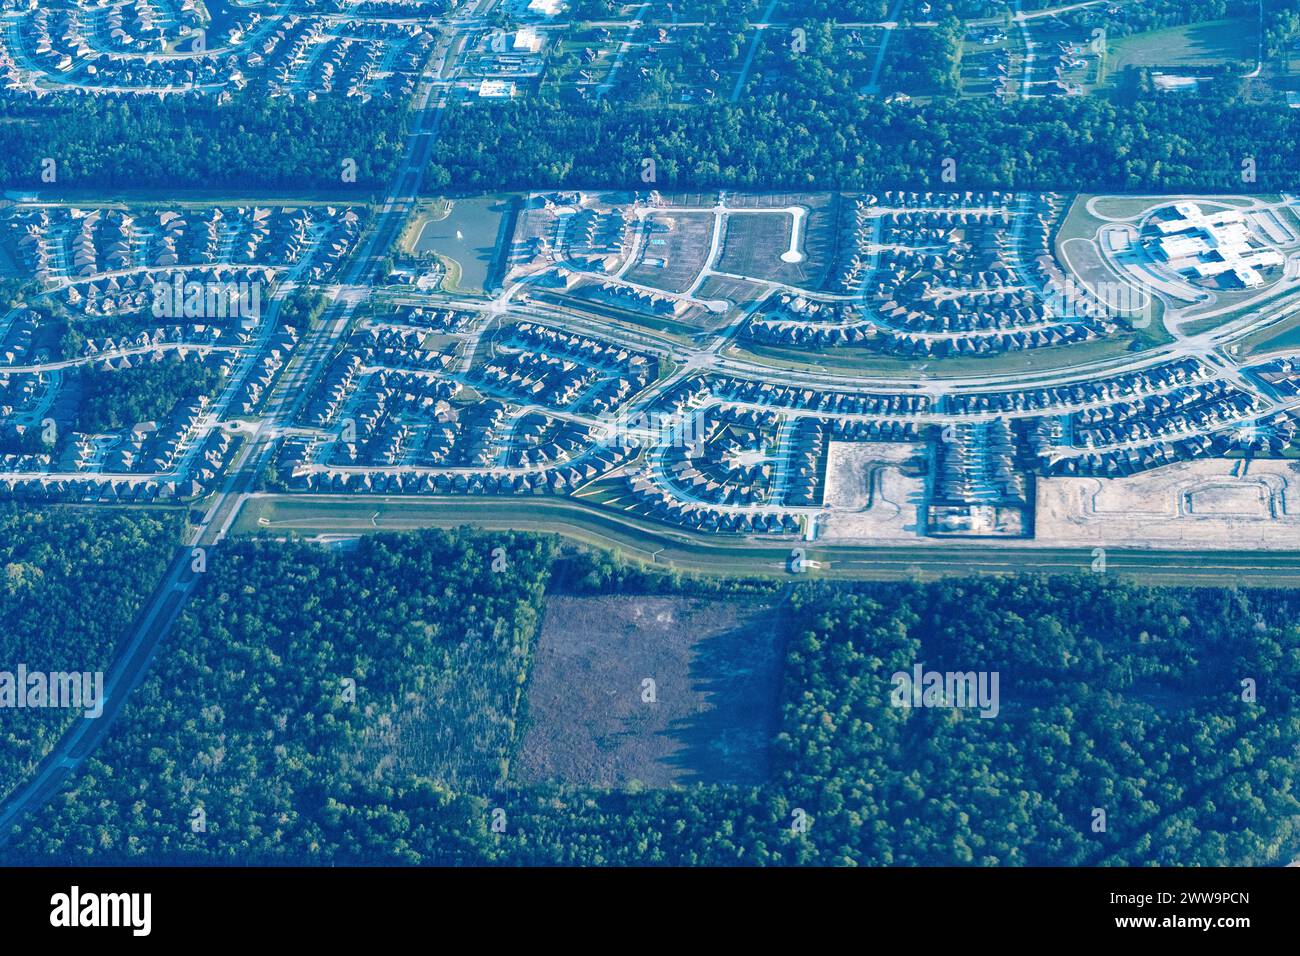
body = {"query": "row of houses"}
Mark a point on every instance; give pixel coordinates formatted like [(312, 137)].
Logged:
[(378, 415), (558, 480), (974, 338), (1128, 385), (268, 364), (97, 489), (1221, 403), (805, 474), (977, 464), (726, 464), (815, 399), (1270, 434), (435, 320), (538, 377), (653, 502), (538, 440), (395, 347), (74, 243)]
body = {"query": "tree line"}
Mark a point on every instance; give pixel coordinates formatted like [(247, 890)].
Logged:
[(1146, 142), (362, 706)]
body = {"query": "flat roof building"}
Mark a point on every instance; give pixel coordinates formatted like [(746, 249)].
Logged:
[(1201, 244), (526, 40), (496, 89)]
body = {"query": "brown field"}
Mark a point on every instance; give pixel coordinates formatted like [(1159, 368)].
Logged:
[(675, 251), (717, 673), (753, 244)]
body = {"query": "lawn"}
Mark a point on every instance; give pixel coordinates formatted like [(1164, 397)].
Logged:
[(1284, 335), (856, 363), (669, 547), (1197, 44)]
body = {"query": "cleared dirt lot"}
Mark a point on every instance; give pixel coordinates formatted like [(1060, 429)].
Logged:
[(675, 249), (754, 243), (716, 667), (872, 492), (1207, 504)]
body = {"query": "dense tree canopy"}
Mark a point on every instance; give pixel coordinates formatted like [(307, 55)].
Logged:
[(250, 142), (112, 399), (1077, 144), (245, 745), (71, 583)]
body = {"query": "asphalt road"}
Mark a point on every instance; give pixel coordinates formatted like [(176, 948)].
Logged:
[(180, 581)]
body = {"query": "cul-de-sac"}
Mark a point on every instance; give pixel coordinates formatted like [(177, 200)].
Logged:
[(790, 370), (586, 433)]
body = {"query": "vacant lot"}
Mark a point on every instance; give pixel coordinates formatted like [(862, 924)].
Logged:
[(716, 669), (1209, 504), (1198, 44), (755, 242), (676, 248)]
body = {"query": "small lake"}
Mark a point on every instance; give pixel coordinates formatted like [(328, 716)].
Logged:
[(472, 235)]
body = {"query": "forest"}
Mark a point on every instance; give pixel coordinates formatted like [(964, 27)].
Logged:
[(247, 143), (121, 398), (804, 126), (311, 704), (1281, 26), (925, 60), (1152, 14), (361, 706), (72, 582), (1173, 711), (1151, 143)]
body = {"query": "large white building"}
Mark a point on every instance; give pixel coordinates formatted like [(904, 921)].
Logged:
[(526, 40), (1204, 245), (497, 89)]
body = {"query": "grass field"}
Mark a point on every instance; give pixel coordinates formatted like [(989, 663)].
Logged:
[(858, 362), (1132, 207), (1079, 223), (1270, 304), (633, 321), (1082, 258), (1284, 335), (1197, 44), (634, 538)]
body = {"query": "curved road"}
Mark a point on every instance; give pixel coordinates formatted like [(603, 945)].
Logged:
[(180, 581)]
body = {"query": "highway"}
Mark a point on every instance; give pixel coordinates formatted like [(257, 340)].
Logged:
[(306, 365), (323, 341)]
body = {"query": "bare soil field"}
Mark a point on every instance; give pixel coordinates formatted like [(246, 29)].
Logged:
[(754, 243), (716, 672), (872, 492), (676, 248), (1207, 504)]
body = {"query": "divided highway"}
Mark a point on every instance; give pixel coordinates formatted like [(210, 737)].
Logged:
[(307, 364)]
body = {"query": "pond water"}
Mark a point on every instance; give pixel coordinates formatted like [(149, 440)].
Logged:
[(472, 235)]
